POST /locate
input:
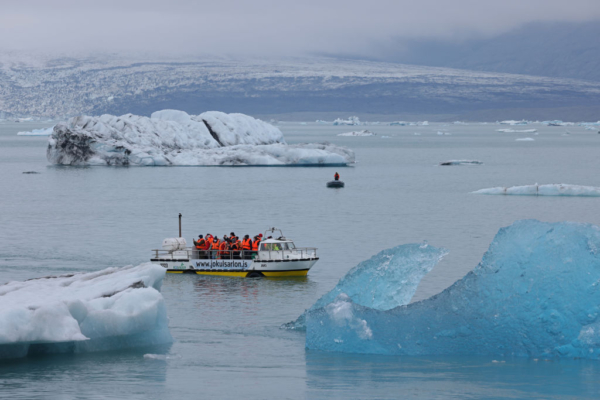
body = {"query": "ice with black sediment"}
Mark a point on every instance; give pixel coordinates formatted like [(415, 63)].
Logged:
[(172, 137)]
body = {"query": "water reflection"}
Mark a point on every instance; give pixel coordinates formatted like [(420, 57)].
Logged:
[(358, 375)]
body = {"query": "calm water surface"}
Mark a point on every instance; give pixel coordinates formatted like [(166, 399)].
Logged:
[(227, 338)]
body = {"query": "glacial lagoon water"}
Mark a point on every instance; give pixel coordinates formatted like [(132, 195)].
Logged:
[(228, 343)]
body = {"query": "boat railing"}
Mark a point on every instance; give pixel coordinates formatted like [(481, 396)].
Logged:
[(193, 253)]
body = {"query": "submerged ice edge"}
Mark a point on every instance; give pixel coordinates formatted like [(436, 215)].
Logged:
[(172, 137), (534, 294), (385, 281), (105, 310)]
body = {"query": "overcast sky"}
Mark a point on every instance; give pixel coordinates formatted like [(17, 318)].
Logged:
[(276, 27)]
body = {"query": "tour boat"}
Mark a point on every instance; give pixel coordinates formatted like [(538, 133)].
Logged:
[(276, 257)]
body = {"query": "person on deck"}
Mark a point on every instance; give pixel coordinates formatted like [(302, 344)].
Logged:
[(246, 246), (200, 246), (224, 248), (336, 176), (255, 245), (215, 247)]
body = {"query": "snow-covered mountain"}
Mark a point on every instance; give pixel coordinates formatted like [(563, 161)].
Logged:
[(57, 87)]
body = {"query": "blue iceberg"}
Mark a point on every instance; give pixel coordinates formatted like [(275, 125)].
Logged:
[(536, 293), (387, 280)]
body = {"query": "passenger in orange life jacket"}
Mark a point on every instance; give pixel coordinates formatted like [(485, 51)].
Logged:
[(215, 247), (246, 247), (255, 245), (336, 176), (236, 246), (201, 246), (224, 248)]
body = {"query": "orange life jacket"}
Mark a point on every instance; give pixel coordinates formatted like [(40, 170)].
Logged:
[(247, 244), (222, 248), (200, 244), (215, 244), (255, 245)]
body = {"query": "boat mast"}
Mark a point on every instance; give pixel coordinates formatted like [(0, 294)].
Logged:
[(179, 224)]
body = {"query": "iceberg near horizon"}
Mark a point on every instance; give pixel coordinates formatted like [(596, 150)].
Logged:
[(536, 293), (172, 137)]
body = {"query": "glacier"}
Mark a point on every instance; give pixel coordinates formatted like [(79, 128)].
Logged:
[(110, 309), (387, 280), (172, 137), (536, 293), (561, 189)]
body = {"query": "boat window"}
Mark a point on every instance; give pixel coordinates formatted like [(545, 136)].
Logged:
[(291, 245), (276, 246), (265, 246)]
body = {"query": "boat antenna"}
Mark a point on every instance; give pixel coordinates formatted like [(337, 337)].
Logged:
[(179, 224)]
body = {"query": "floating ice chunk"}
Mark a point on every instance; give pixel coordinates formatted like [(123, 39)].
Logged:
[(105, 310), (525, 139), (358, 133), (37, 132), (172, 137), (513, 122), (508, 130), (387, 280), (443, 133), (350, 121), (461, 162), (534, 294), (398, 123), (162, 357), (417, 134), (561, 189)]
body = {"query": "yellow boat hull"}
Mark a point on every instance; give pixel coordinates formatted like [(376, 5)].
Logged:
[(243, 274)]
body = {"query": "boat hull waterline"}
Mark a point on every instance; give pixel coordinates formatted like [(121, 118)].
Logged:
[(238, 268)]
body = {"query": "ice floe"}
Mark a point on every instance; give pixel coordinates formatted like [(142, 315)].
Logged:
[(508, 130), (525, 139), (358, 133), (561, 189), (350, 121), (172, 137), (37, 132), (444, 133), (513, 122), (461, 162), (534, 294), (105, 310)]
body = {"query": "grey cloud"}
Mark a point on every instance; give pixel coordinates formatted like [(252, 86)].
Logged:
[(264, 26)]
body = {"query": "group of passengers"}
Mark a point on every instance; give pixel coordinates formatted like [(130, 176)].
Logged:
[(231, 246)]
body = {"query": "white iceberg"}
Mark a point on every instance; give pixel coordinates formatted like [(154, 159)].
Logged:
[(544, 190), (359, 133), (516, 130), (171, 137), (398, 123), (462, 162), (37, 132), (105, 310), (513, 122), (350, 121), (525, 139)]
